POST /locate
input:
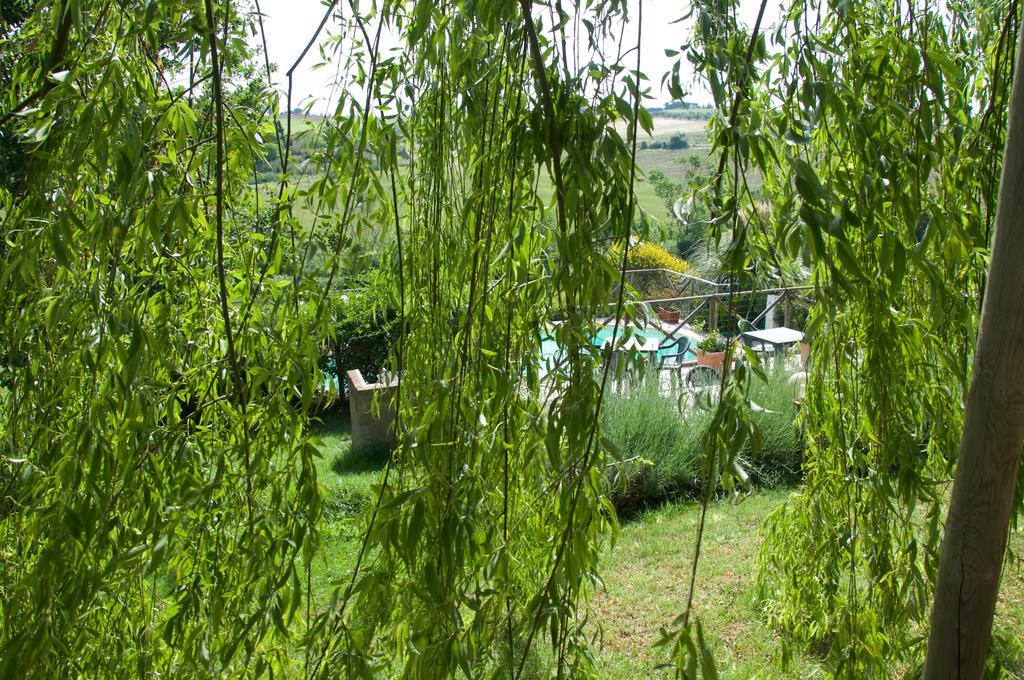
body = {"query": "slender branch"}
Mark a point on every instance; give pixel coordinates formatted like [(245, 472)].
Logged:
[(270, 80), (709, 467), (588, 451), (339, 615), (312, 38), (359, 159), (236, 370), (734, 114), (549, 111)]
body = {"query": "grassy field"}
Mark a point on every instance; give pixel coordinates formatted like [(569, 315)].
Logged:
[(647, 575), (673, 163), (667, 125), (645, 196), (647, 199)]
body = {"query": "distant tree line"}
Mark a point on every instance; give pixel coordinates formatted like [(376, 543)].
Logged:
[(675, 143), (680, 105)]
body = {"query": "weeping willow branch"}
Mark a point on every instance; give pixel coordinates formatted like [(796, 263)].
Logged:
[(54, 60), (359, 161), (588, 450), (339, 615), (741, 90), (236, 369), (544, 89)]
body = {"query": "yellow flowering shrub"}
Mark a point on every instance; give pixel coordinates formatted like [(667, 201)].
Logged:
[(645, 255)]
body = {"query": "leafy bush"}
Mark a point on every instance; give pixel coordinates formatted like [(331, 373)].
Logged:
[(364, 333), (678, 142), (690, 236), (675, 143), (13, 160), (662, 448), (694, 113), (712, 342), (667, 190), (777, 460), (647, 256)]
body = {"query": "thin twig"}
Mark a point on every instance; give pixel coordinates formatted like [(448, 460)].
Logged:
[(734, 114), (549, 111), (236, 369)]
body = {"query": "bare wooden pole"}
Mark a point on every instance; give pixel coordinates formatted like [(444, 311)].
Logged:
[(979, 515)]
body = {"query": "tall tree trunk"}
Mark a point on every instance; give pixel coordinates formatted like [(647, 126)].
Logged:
[(979, 514)]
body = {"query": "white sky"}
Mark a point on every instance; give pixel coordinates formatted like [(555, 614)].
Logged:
[(290, 23)]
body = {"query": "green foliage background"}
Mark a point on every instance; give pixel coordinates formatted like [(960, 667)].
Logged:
[(165, 313)]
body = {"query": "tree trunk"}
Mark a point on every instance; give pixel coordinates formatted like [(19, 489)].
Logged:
[(979, 514)]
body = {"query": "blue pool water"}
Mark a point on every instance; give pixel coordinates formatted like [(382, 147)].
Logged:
[(549, 349)]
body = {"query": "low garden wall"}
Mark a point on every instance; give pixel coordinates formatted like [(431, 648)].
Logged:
[(371, 431)]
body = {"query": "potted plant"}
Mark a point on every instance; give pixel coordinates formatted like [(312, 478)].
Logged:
[(668, 315), (711, 351)]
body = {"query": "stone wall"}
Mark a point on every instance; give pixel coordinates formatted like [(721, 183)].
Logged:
[(369, 431)]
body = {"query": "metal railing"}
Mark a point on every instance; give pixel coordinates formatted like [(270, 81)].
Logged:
[(712, 309), (669, 280)]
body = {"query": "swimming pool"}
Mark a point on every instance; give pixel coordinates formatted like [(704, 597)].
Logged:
[(550, 351)]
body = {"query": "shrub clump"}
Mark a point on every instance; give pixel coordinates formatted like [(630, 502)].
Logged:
[(364, 333), (645, 255), (662, 446)]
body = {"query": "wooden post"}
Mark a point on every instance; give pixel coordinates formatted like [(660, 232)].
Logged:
[(787, 314), (713, 314), (974, 541)]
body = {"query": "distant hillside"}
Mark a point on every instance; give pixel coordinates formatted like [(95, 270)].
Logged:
[(696, 113)]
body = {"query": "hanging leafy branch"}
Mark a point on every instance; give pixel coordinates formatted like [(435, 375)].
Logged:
[(160, 503), (493, 512), (160, 510), (874, 127), (148, 526)]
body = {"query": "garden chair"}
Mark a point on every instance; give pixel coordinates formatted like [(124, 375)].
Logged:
[(676, 360)]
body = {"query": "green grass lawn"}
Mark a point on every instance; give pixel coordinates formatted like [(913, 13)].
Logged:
[(347, 480), (675, 162), (647, 575)]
